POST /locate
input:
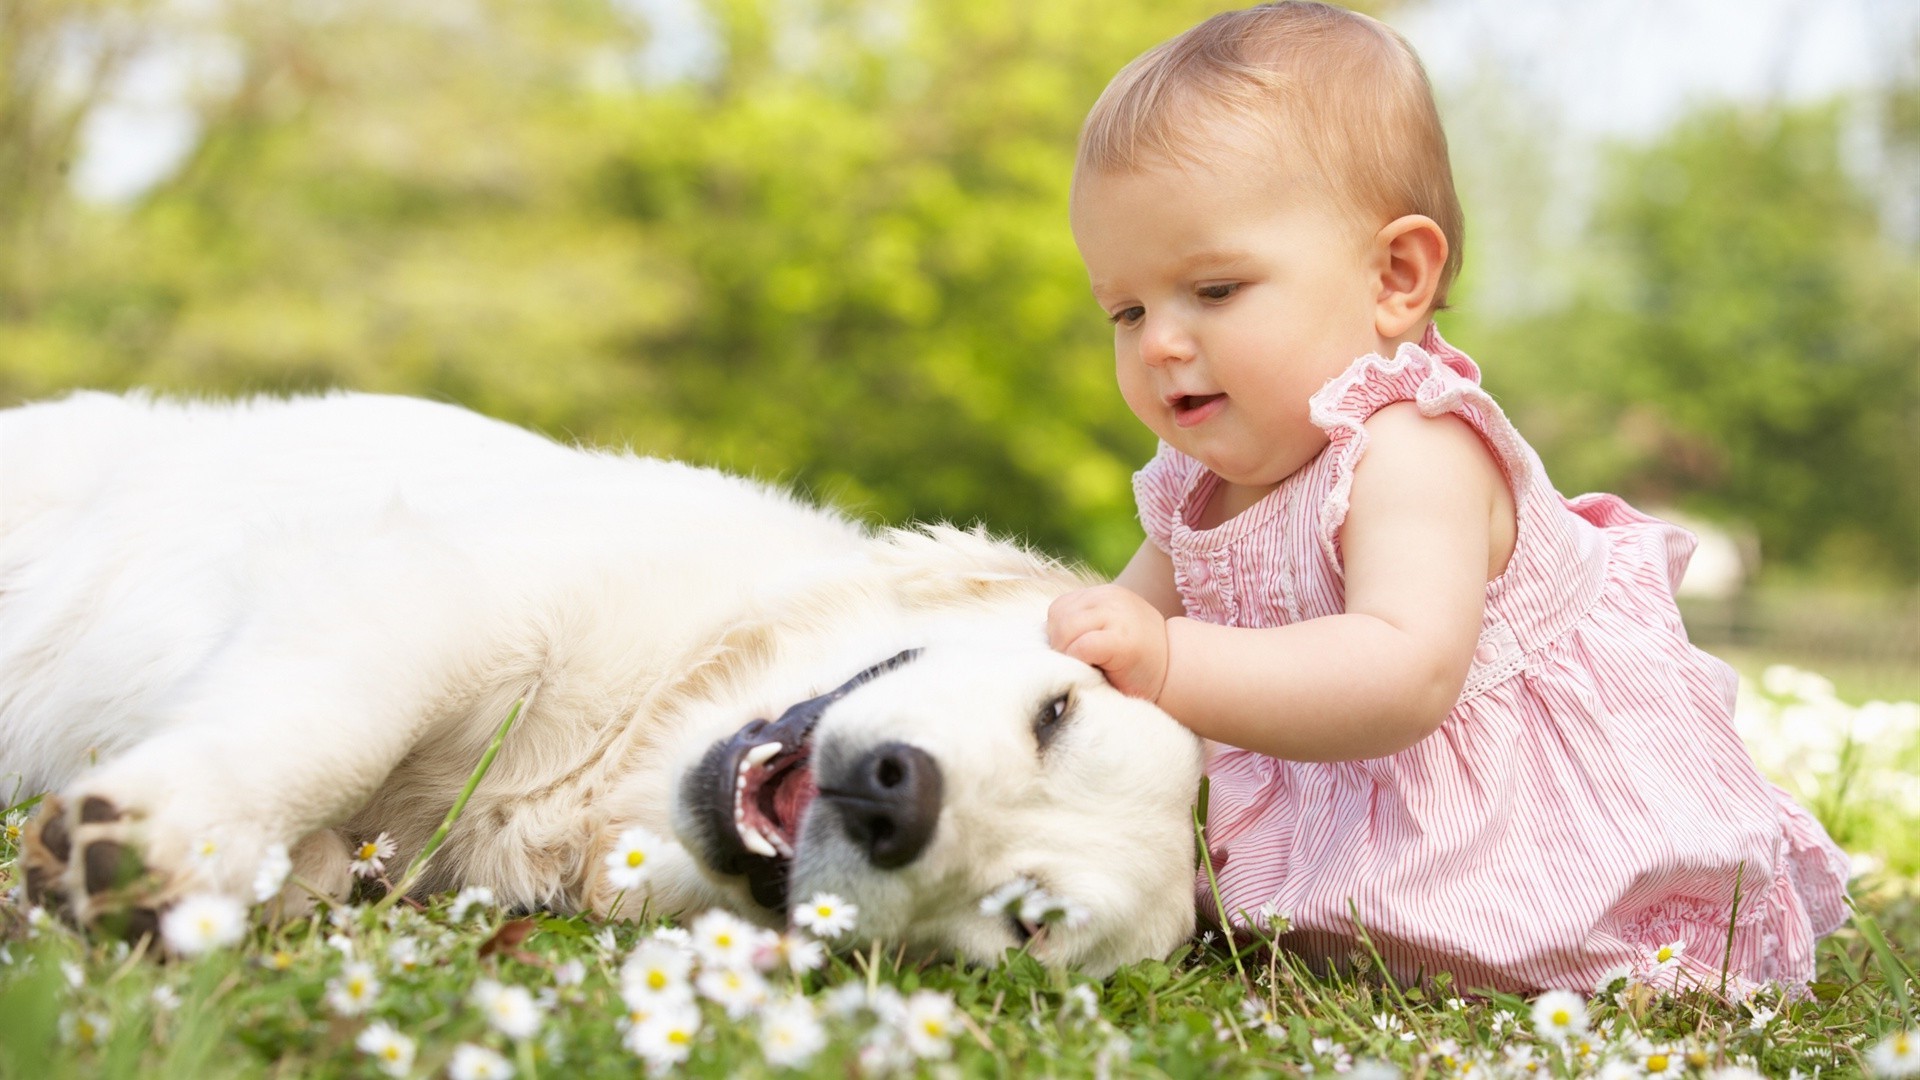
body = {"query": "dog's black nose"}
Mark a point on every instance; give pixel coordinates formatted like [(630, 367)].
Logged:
[(888, 803)]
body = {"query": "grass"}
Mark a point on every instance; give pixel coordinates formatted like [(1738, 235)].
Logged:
[(73, 1008)]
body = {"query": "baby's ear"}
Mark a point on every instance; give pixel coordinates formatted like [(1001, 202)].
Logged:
[(1409, 255)]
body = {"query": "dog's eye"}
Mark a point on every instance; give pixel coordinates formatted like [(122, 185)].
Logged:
[(1046, 724)]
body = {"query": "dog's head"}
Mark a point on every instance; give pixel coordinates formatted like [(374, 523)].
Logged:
[(967, 797)]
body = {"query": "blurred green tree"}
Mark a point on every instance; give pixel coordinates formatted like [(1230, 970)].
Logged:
[(1746, 344)]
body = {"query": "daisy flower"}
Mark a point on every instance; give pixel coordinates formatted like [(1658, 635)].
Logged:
[(469, 897), (1040, 908), (1006, 899), (1258, 1014), (275, 865), (724, 940), (404, 953), (1665, 958), (354, 990), (472, 1062), (627, 862), (655, 971), (738, 990), (826, 915), (571, 973), (665, 1038), (201, 923), (798, 953), (1662, 1061), (1896, 1055), (392, 1051), (1559, 1014), (370, 856), (1082, 1002), (510, 1010), (790, 1034), (165, 998), (87, 1028), (12, 824), (204, 851), (926, 1024)]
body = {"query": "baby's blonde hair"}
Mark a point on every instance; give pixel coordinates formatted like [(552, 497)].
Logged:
[(1341, 88)]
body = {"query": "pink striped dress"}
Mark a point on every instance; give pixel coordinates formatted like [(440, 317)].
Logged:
[(1587, 800)]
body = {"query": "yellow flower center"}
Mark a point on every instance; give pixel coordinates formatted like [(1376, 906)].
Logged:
[(85, 1029), (1665, 954), (368, 850), (1561, 1017), (356, 988), (635, 858), (824, 911), (725, 941), (282, 960), (934, 1028), (679, 1037), (657, 980), (390, 1052), (1697, 1058), (13, 832), (1657, 1063)]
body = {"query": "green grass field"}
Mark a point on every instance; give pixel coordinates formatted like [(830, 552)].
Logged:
[(368, 992)]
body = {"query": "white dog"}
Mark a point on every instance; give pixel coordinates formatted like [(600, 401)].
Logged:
[(229, 626)]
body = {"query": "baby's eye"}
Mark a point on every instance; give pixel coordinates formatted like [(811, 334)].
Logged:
[(1127, 316), (1217, 292)]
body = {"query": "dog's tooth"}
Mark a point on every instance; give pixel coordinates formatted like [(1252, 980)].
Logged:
[(785, 849), (759, 755), (755, 842)]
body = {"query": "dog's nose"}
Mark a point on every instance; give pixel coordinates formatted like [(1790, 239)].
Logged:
[(888, 803)]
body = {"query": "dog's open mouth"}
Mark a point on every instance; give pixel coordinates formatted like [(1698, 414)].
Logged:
[(772, 787), (747, 799)]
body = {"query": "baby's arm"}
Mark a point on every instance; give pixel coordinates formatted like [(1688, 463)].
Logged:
[(1423, 535)]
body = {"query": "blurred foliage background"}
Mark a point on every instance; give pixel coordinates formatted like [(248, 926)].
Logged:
[(824, 242)]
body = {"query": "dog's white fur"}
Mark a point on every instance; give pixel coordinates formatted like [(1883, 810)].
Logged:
[(300, 622)]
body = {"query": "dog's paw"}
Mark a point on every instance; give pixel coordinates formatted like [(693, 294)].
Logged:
[(83, 860)]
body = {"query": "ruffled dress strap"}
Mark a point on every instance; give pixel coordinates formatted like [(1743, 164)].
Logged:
[(1439, 379), (1159, 488)]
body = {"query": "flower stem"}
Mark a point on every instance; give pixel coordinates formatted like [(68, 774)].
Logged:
[(419, 863)]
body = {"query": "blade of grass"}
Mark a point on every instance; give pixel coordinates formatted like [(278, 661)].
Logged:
[(419, 864)]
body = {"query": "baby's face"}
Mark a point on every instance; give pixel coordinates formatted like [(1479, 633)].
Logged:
[(1233, 297)]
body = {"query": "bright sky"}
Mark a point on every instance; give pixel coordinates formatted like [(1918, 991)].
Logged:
[(1605, 68)]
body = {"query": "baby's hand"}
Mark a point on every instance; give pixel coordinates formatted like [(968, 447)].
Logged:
[(1112, 628)]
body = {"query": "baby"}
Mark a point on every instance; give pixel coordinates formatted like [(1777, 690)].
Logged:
[(1460, 713)]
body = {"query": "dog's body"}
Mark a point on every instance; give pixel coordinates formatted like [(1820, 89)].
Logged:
[(301, 622)]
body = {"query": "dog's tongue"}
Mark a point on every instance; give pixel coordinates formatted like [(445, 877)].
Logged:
[(790, 800)]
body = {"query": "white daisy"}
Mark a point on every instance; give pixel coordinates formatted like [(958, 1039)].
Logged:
[(1896, 1055), (404, 952), (75, 974), (1041, 908), (826, 915), (724, 940), (798, 953), (1006, 899), (1665, 958), (571, 973), (665, 1037), (201, 923), (1662, 1061), (926, 1024), (204, 851), (510, 1010), (275, 865), (85, 1028), (1559, 1014), (472, 1062), (738, 990), (627, 864), (165, 998), (370, 856), (1260, 1016), (790, 1033), (467, 899), (354, 990), (392, 1051), (655, 971)]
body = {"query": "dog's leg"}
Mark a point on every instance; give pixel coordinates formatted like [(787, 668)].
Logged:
[(285, 732)]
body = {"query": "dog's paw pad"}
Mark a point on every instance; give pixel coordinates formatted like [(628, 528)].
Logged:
[(129, 924), (53, 831), (110, 865), (95, 810)]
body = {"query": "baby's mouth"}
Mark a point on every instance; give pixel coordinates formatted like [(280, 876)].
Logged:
[(1190, 407)]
